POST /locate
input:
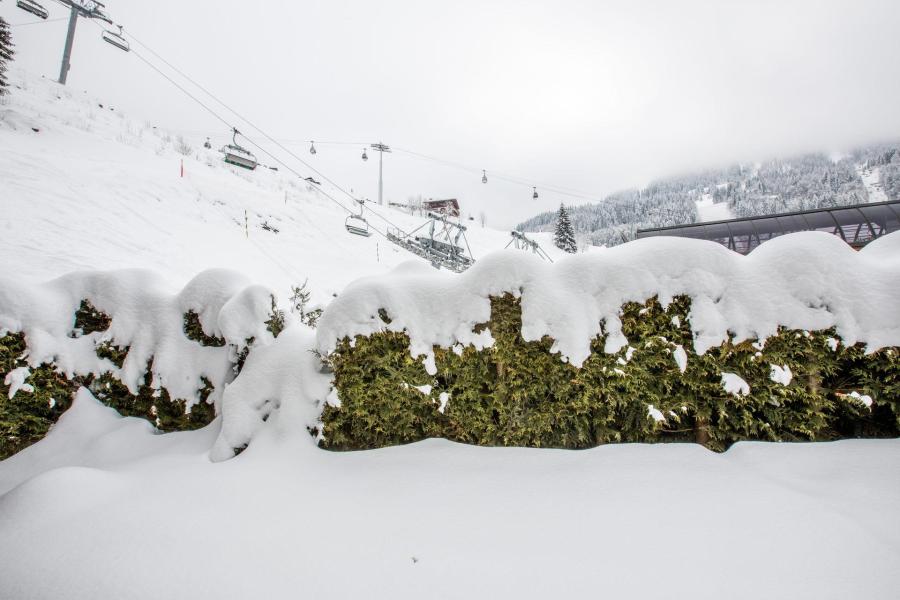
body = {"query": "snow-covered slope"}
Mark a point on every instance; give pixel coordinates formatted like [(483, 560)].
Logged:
[(709, 210), (95, 189), (871, 178)]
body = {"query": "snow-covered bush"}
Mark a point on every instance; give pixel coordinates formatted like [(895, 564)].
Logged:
[(138, 349), (657, 340)]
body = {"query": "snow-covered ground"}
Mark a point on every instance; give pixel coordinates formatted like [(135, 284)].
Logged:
[(872, 180), (128, 514), (708, 210), (105, 507)]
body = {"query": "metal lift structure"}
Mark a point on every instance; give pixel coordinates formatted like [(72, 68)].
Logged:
[(441, 247), (520, 241)]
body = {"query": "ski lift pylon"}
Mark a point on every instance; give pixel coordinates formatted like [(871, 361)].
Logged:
[(236, 155), (520, 241), (116, 39), (33, 7), (357, 224)]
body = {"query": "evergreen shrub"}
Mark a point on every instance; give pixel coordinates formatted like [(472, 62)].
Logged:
[(518, 393)]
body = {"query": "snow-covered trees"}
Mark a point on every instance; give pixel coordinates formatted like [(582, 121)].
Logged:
[(564, 238), (774, 186), (6, 54)]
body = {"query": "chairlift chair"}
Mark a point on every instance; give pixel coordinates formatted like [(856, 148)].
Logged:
[(238, 156), (357, 224), (312, 147), (534, 196), (33, 7), (364, 155), (483, 176), (116, 39), (207, 144)]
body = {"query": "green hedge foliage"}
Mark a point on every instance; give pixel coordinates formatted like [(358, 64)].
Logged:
[(517, 393), (27, 417)]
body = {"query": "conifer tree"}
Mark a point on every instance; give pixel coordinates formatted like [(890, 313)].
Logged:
[(564, 238), (6, 54)]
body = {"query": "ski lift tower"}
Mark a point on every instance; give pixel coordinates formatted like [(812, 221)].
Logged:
[(382, 148), (89, 9)]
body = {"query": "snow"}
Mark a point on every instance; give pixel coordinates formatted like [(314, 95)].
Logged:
[(861, 398), (733, 384), (806, 281), (15, 379), (781, 374), (443, 398), (121, 512), (871, 178), (709, 210), (146, 317), (680, 357)]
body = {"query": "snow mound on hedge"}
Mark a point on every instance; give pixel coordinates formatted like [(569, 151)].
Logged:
[(147, 318), (808, 281)]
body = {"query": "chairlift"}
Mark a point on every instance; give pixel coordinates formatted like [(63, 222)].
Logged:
[(207, 144), (33, 7), (116, 39), (364, 155), (357, 224), (534, 195), (238, 156), (483, 176), (312, 147)]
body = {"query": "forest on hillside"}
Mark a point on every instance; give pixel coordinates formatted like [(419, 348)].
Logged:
[(775, 186)]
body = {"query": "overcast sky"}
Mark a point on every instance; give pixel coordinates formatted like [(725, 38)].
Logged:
[(590, 95)]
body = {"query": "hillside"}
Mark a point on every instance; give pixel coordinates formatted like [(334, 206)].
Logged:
[(87, 187), (870, 174)]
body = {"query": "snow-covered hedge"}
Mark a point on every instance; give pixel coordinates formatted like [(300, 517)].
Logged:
[(139, 348), (657, 339)]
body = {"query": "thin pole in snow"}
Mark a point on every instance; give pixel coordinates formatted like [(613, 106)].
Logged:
[(182, 167), (246, 225)]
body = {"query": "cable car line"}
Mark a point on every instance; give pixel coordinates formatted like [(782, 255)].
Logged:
[(39, 22), (441, 251)]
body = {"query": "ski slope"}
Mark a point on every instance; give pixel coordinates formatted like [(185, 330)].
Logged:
[(872, 180), (96, 189), (709, 210)]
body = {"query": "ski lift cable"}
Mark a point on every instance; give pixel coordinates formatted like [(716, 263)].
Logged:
[(575, 193), (39, 22), (263, 133), (215, 114), (501, 176), (239, 115)]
